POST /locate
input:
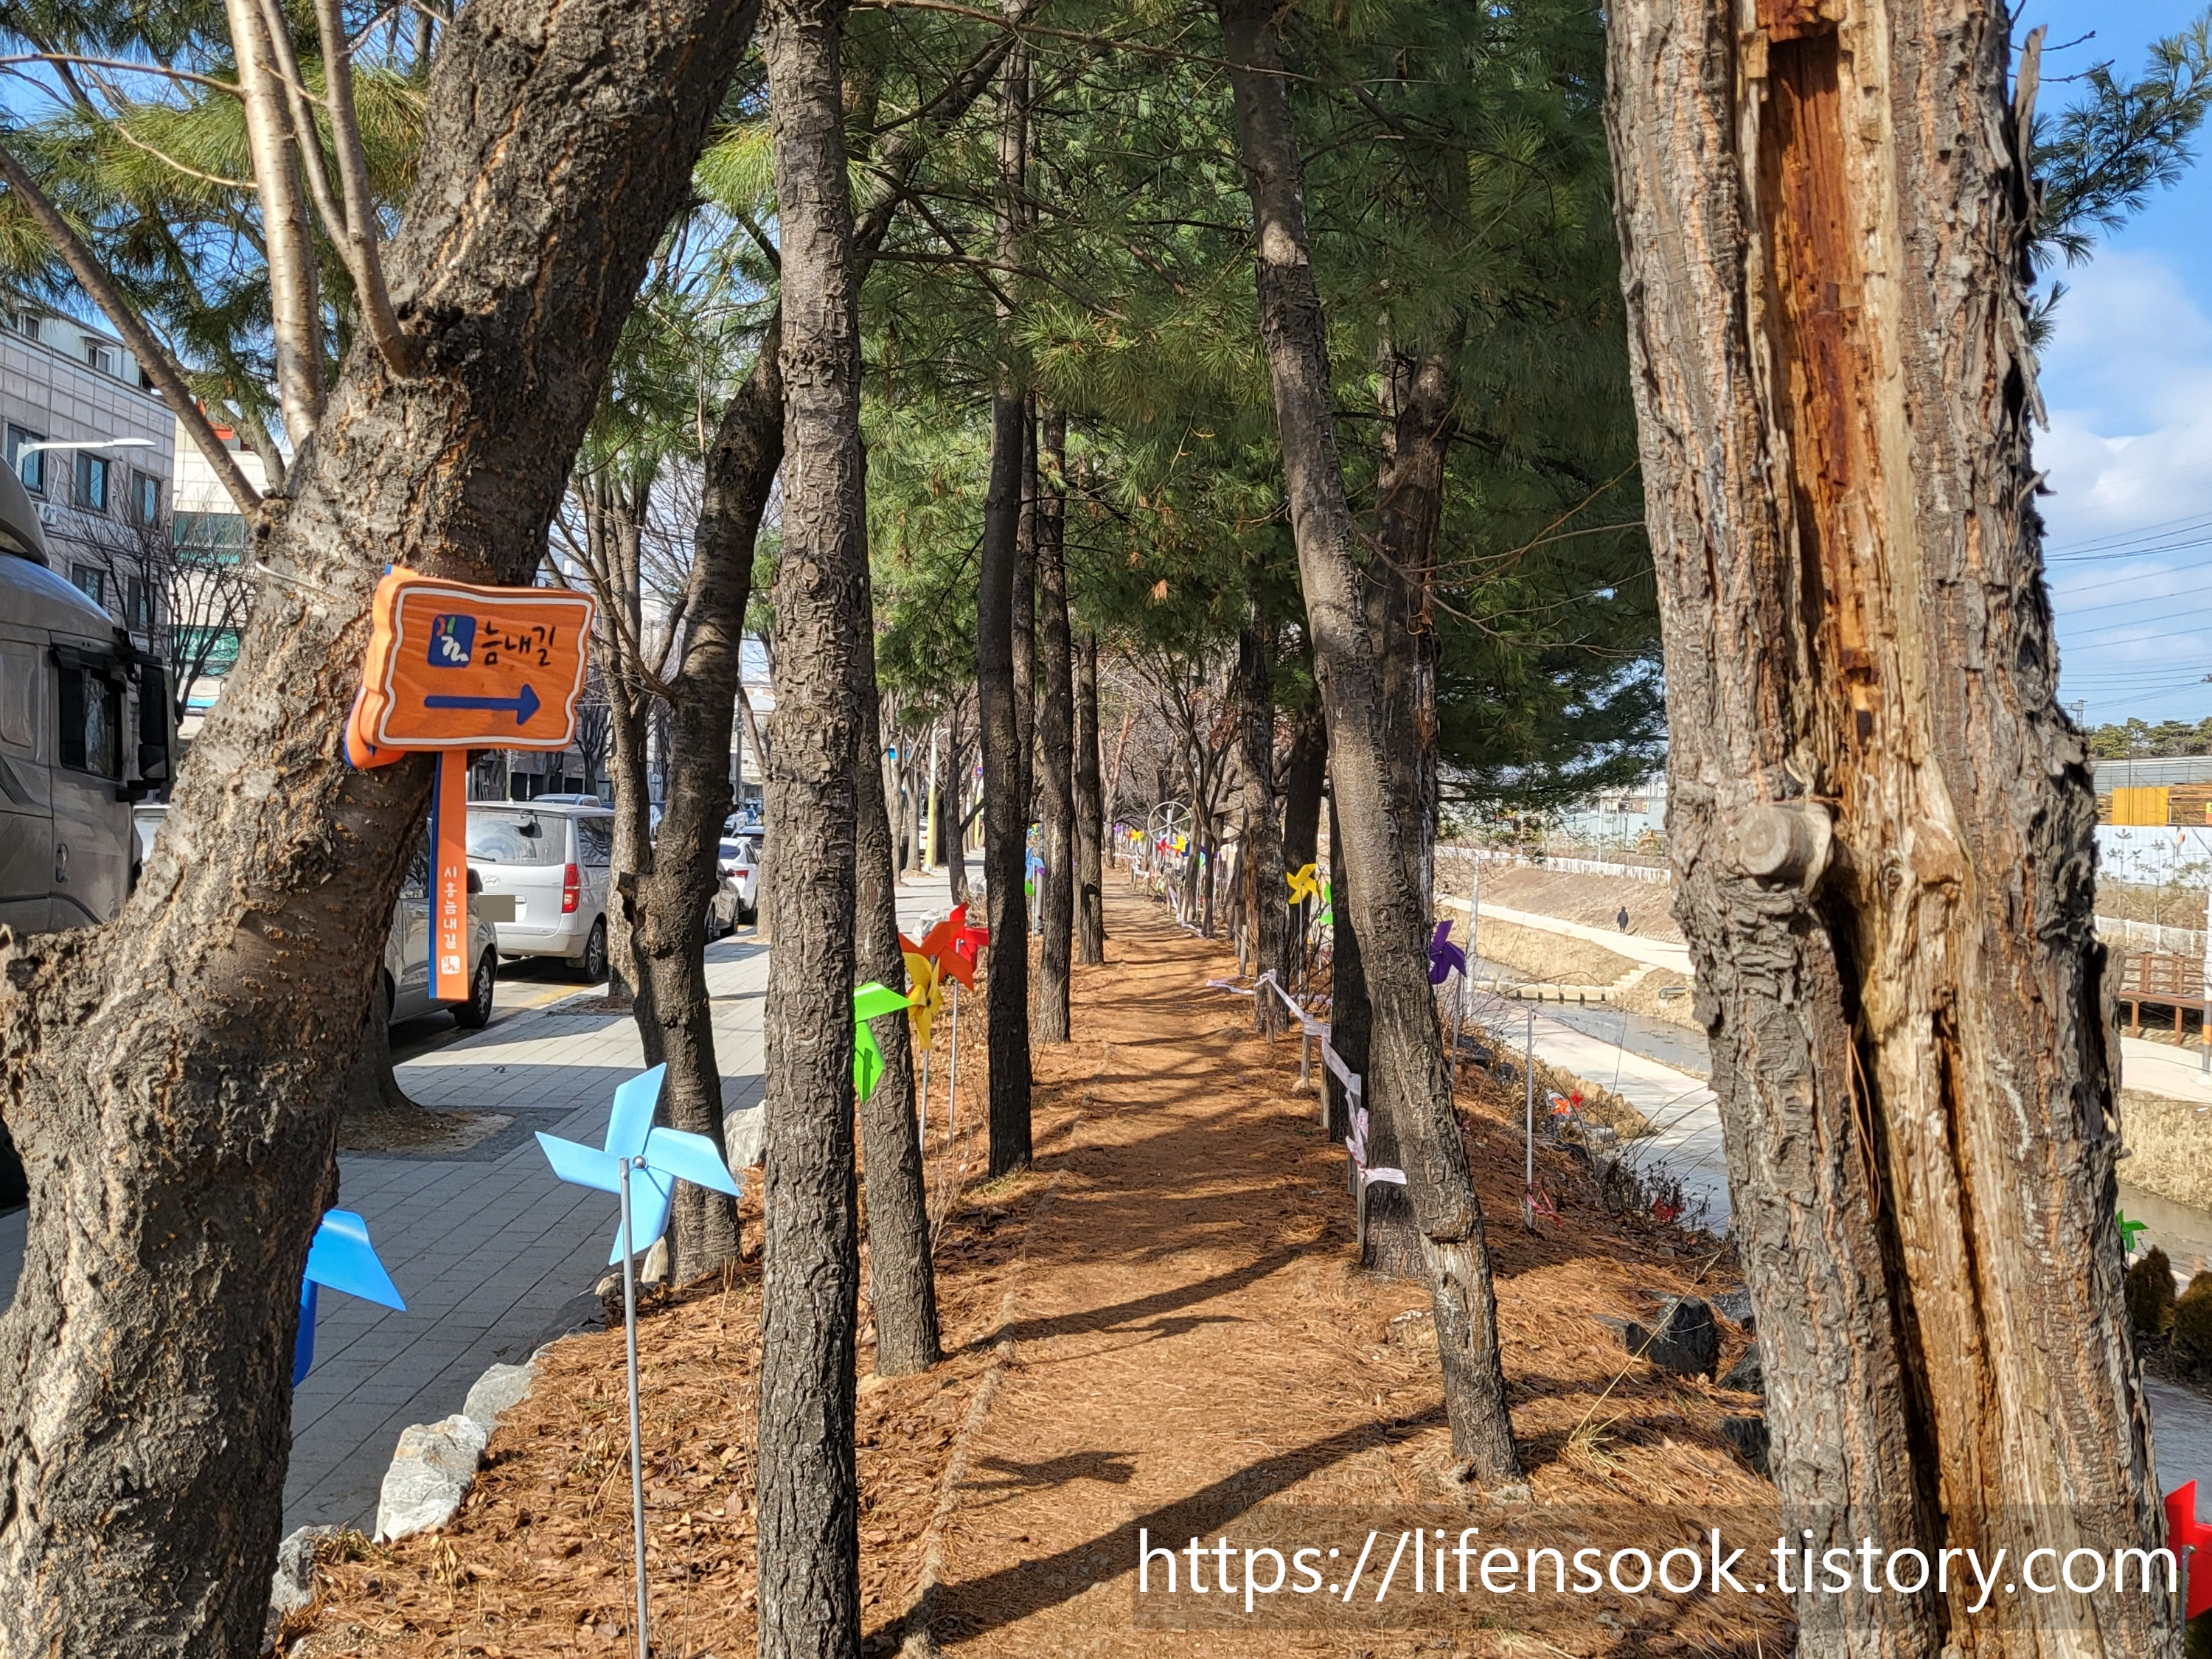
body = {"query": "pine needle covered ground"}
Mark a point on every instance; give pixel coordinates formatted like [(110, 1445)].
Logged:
[(1159, 1326)]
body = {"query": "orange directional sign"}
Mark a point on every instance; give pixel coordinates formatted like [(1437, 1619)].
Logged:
[(456, 666)]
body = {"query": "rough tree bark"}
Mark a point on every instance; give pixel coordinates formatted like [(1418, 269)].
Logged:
[(809, 1284), (1349, 1018), (174, 1079), (1419, 395), (901, 1279), (1056, 741), (1026, 606), (1407, 1059), (669, 942), (1005, 788), (1089, 811), (1824, 217), (1265, 889), (952, 826)]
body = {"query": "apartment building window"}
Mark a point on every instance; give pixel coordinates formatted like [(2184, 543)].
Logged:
[(101, 357), (91, 581), (91, 482), (137, 606), (145, 497), (31, 468)]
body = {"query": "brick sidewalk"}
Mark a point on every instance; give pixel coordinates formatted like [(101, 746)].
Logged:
[(485, 1245)]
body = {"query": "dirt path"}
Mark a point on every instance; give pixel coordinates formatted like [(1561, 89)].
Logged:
[(1191, 1336), (1158, 1327)]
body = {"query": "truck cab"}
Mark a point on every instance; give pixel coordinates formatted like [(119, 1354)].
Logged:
[(85, 732)]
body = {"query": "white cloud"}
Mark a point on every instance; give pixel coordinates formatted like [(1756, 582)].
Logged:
[(2128, 379)]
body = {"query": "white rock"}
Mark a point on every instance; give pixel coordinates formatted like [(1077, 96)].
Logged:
[(499, 1389), (430, 1473), (744, 1133), (294, 1585)]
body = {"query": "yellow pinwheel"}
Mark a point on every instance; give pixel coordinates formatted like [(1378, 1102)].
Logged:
[(1303, 886), (928, 995)]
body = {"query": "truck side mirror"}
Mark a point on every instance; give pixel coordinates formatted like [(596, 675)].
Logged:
[(155, 752)]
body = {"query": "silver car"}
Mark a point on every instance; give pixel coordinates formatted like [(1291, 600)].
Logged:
[(406, 976), (552, 859)]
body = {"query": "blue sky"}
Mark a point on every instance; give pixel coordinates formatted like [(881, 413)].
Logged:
[(2128, 380)]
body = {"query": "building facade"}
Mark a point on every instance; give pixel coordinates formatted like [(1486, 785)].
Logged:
[(64, 382)]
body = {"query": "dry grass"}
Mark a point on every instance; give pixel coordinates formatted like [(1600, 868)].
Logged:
[(1593, 901), (1554, 958), (1180, 1333)]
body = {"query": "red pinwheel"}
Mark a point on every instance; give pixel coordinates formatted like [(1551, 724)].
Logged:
[(1444, 957)]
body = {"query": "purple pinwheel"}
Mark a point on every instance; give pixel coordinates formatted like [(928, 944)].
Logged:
[(1444, 957)]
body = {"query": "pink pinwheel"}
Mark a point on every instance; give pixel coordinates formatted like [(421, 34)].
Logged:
[(1444, 957)]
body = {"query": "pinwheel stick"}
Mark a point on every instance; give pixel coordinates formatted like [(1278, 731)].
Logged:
[(636, 1462)]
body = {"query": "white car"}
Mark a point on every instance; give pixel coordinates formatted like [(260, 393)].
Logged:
[(552, 860), (736, 862), (406, 975)]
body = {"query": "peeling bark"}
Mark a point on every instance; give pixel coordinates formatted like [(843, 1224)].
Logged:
[(1824, 216)]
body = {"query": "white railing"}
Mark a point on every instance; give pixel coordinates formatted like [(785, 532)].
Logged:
[(2156, 935), (1658, 875)]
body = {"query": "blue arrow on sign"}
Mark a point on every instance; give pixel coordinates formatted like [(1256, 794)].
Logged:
[(523, 706)]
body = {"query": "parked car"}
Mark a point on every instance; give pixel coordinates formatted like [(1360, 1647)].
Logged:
[(737, 864), (406, 976), (552, 860)]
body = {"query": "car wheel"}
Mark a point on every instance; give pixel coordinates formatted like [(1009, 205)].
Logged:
[(591, 966), (747, 915), (475, 1013), (391, 994)]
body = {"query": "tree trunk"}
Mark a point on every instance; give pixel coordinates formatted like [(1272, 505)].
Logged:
[(809, 1551), (1265, 889), (174, 1081), (1824, 224), (1349, 1018), (1006, 786), (1056, 741), (952, 826), (371, 1085), (669, 946), (1302, 770), (902, 1280), (287, 239), (631, 857), (1420, 396), (1386, 909), (1089, 811), (1025, 614)]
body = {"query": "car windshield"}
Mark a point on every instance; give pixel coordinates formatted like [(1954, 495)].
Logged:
[(733, 849), (513, 838)]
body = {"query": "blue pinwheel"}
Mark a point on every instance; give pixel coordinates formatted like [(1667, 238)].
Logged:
[(659, 1157), (1445, 958), (341, 1257)]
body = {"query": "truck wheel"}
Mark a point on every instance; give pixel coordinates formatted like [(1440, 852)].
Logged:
[(591, 966), (475, 1013)]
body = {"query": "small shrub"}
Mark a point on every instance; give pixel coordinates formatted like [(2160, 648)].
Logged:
[(2192, 1320), (2150, 1294)]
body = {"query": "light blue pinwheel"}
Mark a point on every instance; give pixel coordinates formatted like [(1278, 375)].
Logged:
[(658, 1157), (341, 1257)]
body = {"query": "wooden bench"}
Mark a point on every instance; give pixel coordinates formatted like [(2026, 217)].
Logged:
[(2163, 979)]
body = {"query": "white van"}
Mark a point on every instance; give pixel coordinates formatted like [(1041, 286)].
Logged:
[(552, 859), (84, 733)]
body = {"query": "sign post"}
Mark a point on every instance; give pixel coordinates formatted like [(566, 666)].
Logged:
[(451, 667)]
